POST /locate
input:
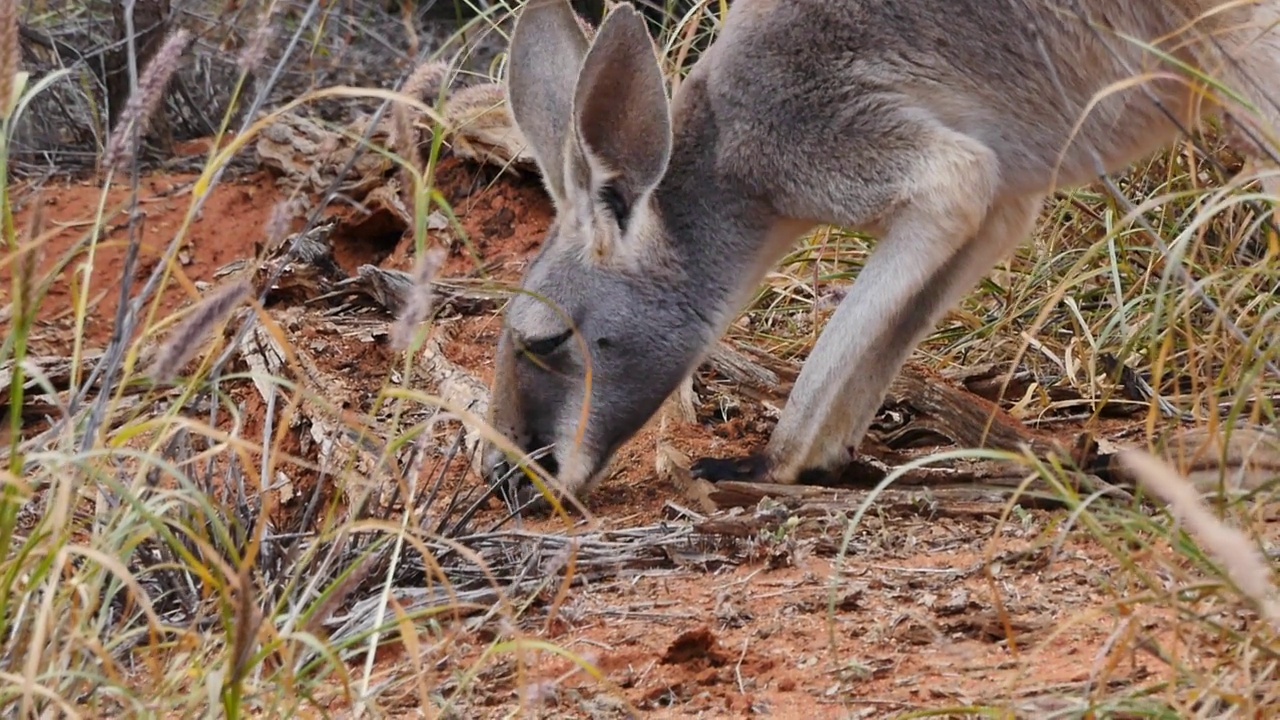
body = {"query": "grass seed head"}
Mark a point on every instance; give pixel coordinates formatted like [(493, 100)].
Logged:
[(1232, 548), (10, 54), (189, 336), (255, 51), (145, 100), (28, 256), (473, 101), (418, 305), (282, 215), (427, 80), (424, 84)]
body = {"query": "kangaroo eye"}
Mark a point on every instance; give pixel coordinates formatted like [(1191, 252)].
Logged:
[(542, 347)]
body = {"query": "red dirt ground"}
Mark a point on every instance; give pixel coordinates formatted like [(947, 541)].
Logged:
[(227, 228), (918, 623)]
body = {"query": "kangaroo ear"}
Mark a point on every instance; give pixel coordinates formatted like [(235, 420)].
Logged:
[(546, 51), (621, 111)]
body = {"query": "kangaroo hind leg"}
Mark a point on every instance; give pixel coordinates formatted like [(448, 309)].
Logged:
[(1252, 67)]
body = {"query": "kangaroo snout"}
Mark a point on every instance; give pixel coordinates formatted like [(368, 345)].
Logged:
[(570, 404), (532, 434)]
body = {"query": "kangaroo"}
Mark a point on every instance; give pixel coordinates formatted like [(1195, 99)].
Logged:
[(936, 127)]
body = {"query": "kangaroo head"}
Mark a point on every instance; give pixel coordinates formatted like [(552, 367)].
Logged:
[(595, 340)]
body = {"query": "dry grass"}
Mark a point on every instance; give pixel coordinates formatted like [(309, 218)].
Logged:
[(142, 576)]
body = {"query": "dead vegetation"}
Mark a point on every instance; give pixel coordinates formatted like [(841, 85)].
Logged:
[(262, 496)]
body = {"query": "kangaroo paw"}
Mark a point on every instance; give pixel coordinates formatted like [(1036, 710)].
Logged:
[(757, 468), (749, 468)]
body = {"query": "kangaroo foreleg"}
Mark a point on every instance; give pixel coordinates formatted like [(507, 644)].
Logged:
[(926, 261)]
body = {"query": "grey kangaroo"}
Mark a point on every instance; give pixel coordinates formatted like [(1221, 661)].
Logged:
[(936, 126)]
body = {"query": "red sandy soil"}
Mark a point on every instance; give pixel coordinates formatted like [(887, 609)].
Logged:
[(917, 623)]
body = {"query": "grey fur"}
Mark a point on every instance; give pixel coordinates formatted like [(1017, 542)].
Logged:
[(937, 126)]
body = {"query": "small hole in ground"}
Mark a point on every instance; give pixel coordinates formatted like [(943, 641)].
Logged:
[(367, 241)]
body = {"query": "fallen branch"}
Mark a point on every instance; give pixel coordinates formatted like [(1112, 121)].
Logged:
[(810, 500), (38, 370)]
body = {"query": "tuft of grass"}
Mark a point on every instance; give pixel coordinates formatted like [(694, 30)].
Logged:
[(153, 563)]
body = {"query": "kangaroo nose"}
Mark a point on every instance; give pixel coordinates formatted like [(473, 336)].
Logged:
[(504, 475)]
